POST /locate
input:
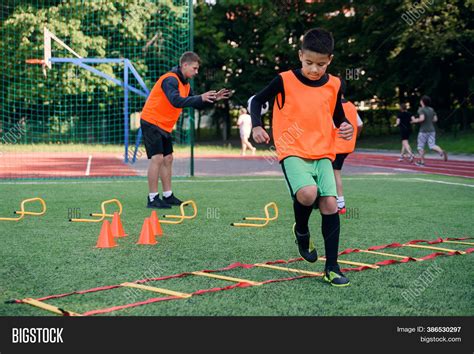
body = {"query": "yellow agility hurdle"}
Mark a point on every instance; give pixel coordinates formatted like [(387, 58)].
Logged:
[(22, 212), (183, 215), (102, 215), (267, 217)]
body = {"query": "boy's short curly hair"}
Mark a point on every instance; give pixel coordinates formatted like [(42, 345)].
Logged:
[(318, 40)]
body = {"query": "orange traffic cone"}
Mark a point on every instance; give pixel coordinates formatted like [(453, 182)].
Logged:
[(147, 237), (117, 228), (106, 240), (155, 224)]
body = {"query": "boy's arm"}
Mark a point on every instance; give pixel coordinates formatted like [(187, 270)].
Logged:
[(340, 121), (339, 116), (360, 124), (266, 95), (170, 88)]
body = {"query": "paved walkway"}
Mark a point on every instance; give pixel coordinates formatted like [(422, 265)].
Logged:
[(360, 162)]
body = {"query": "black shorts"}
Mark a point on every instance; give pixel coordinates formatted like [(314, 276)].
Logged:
[(405, 134), (156, 140), (339, 161)]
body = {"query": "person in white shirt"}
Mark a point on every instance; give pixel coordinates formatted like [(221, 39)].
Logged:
[(245, 127)]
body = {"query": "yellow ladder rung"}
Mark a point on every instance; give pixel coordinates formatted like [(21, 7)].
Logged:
[(157, 290), (390, 255), (223, 277), (434, 248), (460, 242), (383, 254), (293, 270), (48, 307), (353, 263)]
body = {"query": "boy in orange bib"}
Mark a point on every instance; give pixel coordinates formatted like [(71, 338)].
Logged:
[(307, 107), (345, 147)]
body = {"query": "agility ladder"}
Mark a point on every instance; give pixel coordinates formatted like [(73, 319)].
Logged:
[(243, 283)]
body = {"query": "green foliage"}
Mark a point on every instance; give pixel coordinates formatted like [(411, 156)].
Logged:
[(73, 104), (388, 51)]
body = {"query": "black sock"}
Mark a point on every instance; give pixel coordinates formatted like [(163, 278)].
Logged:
[(302, 214), (330, 228)]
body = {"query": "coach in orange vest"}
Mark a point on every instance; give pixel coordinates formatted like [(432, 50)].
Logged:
[(171, 93), (345, 147)]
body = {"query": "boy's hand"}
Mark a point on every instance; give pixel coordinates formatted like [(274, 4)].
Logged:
[(209, 96), (223, 94), (345, 131), (260, 135)]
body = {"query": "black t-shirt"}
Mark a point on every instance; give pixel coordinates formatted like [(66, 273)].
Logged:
[(405, 118)]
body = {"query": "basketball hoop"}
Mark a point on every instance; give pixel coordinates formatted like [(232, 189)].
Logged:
[(37, 62)]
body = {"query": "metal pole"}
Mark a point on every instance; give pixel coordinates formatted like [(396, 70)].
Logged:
[(125, 109), (191, 118)]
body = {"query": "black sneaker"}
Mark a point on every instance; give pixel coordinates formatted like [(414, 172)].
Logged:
[(172, 200), (305, 246), (334, 276), (157, 203)]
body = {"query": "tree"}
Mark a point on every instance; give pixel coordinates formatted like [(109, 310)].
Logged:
[(388, 51)]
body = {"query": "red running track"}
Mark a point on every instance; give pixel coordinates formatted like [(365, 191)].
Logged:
[(65, 164), (460, 168), (51, 165)]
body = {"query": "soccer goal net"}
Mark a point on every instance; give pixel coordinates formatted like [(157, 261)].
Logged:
[(75, 75)]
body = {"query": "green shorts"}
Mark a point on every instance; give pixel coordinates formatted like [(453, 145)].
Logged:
[(301, 173)]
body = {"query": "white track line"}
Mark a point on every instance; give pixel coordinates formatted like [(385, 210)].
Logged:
[(88, 169), (143, 180), (443, 182)]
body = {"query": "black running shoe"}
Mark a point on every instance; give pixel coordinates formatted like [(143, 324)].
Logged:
[(172, 200), (305, 246), (335, 277), (157, 203)]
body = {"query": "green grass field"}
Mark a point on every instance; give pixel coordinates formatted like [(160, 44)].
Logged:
[(48, 255)]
